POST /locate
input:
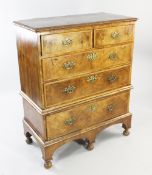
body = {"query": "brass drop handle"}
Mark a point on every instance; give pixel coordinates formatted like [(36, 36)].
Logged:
[(115, 35), (112, 78), (91, 56), (67, 42), (113, 56), (92, 108), (70, 89), (69, 65), (110, 108), (70, 121), (92, 78)]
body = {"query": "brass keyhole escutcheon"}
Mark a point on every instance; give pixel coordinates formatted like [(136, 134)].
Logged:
[(92, 108), (113, 56), (112, 78)]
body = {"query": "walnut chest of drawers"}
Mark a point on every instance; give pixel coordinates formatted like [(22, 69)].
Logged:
[(75, 74)]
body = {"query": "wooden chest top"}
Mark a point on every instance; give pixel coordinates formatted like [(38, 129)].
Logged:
[(41, 24)]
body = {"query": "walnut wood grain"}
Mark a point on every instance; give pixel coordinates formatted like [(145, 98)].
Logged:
[(82, 87), (29, 64), (35, 119), (67, 106), (43, 24), (48, 148), (86, 115), (75, 74), (78, 64), (63, 43), (113, 35)]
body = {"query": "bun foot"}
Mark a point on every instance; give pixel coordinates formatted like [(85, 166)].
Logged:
[(126, 125), (126, 133), (47, 164), (29, 141), (28, 138), (90, 146)]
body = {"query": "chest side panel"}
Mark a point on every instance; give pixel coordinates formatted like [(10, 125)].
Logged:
[(29, 67)]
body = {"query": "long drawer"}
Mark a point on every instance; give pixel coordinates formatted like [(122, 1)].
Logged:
[(86, 115), (69, 90), (62, 43), (70, 65)]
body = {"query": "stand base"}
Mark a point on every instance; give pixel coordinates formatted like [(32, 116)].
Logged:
[(84, 137)]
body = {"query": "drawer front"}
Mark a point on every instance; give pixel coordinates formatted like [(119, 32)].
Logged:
[(113, 35), (58, 44), (69, 65), (86, 115), (60, 92)]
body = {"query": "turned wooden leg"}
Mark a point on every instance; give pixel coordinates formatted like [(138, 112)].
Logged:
[(47, 164), (126, 125), (90, 146), (126, 132), (47, 157), (28, 138), (90, 141)]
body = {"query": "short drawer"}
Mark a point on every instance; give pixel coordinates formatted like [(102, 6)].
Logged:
[(69, 65), (64, 91), (85, 115), (113, 35), (62, 43)]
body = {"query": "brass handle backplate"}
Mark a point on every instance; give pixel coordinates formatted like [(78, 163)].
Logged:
[(67, 42), (70, 89), (70, 121), (110, 108), (69, 65), (113, 56), (91, 79), (115, 35), (92, 108), (91, 56), (112, 78)]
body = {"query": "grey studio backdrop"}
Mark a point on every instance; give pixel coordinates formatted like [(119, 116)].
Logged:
[(113, 154)]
